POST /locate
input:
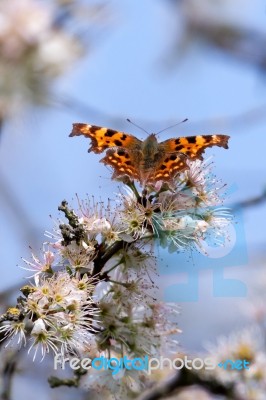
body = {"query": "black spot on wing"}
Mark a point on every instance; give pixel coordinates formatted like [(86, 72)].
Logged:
[(118, 143), (191, 139), (110, 133), (94, 129), (179, 147)]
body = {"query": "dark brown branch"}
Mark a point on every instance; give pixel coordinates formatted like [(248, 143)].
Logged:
[(183, 379), (55, 382), (102, 259), (237, 41), (8, 374), (1, 126), (255, 115), (253, 201), (244, 44), (18, 212)]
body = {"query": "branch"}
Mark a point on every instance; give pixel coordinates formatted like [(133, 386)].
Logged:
[(22, 218), (185, 378), (244, 44), (102, 259), (1, 126), (70, 382), (8, 373), (253, 201), (91, 114)]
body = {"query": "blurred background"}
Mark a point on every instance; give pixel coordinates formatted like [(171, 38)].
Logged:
[(156, 62)]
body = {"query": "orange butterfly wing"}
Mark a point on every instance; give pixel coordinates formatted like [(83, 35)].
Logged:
[(170, 167), (194, 146), (104, 138), (121, 162), (147, 161)]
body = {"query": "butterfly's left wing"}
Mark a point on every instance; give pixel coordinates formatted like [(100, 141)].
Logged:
[(121, 162), (104, 138), (194, 146)]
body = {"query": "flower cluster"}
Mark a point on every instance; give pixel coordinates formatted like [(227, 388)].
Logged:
[(248, 345), (245, 344), (33, 51), (94, 292), (56, 313), (181, 216)]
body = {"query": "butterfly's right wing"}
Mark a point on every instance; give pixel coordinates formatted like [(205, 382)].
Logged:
[(194, 146)]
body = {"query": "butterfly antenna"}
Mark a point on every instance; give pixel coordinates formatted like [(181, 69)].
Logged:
[(172, 126), (128, 120)]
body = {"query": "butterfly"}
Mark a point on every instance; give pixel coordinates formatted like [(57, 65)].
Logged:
[(147, 161)]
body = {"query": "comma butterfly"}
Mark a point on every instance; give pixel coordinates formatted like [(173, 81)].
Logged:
[(147, 161)]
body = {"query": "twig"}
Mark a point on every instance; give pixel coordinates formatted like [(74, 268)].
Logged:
[(19, 213), (242, 43), (183, 379), (1, 126), (70, 382), (91, 115), (8, 373), (253, 201)]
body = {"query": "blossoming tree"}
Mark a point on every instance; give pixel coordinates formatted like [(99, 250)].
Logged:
[(92, 293)]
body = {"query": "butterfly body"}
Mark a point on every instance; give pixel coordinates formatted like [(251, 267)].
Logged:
[(147, 161), (149, 154)]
